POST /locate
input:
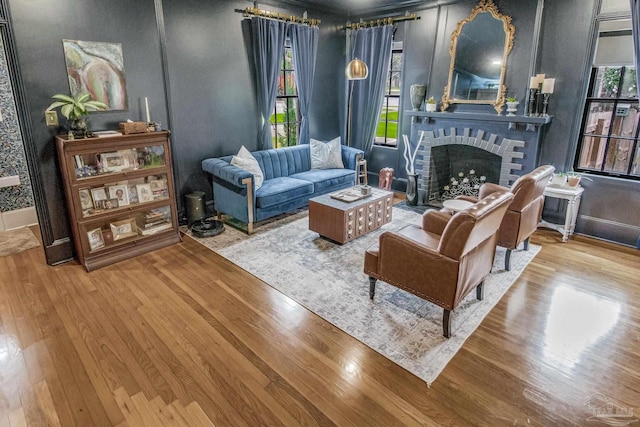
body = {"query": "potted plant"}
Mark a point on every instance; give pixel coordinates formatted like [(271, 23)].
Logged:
[(430, 104), (512, 105), (573, 178), (559, 179), (76, 111)]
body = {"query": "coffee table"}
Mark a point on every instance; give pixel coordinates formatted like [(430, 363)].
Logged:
[(344, 221)]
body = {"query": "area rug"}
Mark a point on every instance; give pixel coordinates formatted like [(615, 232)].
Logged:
[(327, 279), (17, 240)]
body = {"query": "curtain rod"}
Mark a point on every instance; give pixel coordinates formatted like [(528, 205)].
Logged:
[(382, 21), (252, 11)]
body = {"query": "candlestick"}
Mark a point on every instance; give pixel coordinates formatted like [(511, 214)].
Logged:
[(545, 104), (146, 104), (532, 101), (547, 85), (533, 83)]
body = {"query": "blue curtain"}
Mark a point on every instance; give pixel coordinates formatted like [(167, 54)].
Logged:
[(635, 20), (304, 43), (373, 46), (268, 37)]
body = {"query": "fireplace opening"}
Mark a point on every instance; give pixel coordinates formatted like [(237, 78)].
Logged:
[(460, 170)]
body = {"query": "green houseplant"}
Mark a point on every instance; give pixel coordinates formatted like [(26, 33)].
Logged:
[(512, 105), (430, 104), (76, 110)]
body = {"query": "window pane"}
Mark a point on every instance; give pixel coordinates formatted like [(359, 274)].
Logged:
[(635, 168), (618, 155), (625, 122), (396, 61), (395, 83), (592, 152), (629, 84), (607, 82), (599, 118)]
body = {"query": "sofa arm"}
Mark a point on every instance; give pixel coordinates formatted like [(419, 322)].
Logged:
[(434, 221), (350, 156), (490, 188), (226, 172)]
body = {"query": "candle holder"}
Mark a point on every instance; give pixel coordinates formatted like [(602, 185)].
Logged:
[(531, 110), (545, 104)]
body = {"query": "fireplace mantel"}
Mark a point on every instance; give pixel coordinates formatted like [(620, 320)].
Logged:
[(530, 123)]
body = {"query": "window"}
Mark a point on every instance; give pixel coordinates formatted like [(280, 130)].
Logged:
[(387, 131), (608, 142), (285, 123)]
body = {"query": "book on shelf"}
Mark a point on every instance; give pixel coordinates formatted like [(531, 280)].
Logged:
[(156, 229), (107, 133)]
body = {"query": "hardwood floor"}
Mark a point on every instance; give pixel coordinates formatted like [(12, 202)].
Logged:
[(183, 337)]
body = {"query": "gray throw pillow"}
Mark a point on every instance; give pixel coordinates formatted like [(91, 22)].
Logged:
[(326, 155)]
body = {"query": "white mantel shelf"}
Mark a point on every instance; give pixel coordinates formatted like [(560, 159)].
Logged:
[(530, 122)]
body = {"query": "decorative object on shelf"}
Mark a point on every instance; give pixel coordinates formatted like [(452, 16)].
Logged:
[(559, 179), (96, 68), (127, 128), (430, 105), (547, 90), (512, 105), (76, 111), (412, 178), (463, 185), (356, 70), (417, 94)]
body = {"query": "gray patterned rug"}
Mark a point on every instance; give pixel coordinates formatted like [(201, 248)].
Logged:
[(327, 279)]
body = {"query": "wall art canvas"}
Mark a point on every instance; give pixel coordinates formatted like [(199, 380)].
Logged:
[(96, 68)]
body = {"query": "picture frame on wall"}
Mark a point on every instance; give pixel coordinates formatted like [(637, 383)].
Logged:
[(96, 68)]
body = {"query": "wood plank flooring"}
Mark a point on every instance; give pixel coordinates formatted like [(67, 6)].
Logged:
[(182, 337)]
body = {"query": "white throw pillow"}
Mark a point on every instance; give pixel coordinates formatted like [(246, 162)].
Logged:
[(245, 160), (326, 155)]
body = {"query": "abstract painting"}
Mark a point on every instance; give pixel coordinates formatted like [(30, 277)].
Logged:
[(96, 68)]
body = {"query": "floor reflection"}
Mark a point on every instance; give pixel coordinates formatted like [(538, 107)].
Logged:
[(576, 321)]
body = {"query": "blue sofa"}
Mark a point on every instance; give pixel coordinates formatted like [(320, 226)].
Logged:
[(289, 182)]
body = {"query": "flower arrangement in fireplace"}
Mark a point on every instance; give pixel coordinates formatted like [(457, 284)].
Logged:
[(463, 185)]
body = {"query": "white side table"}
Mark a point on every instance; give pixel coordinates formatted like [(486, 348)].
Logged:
[(573, 196)]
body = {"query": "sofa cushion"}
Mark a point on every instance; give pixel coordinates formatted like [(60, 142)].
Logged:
[(279, 190), (245, 160), (326, 155), (323, 179)]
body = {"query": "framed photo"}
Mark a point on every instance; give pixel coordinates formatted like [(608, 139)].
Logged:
[(121, 193), (98, 194), (144, 193), (86, 202), (159, 188), (133, 194), (123, 229), (113, 162), (96, 68), (96, 241), (107, 204)]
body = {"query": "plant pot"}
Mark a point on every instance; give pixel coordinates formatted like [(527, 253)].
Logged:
[(512, 107), (431, 107), (79, 127), (558, 180), (573, 181)]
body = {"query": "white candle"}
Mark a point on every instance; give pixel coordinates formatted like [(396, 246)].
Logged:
[(547, 85), (533, 83), (540, 78), (146, 104)]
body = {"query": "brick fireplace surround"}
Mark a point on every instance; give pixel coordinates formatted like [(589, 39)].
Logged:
[(515, 140)]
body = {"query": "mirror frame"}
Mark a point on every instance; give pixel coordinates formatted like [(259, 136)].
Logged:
[(509, 30)]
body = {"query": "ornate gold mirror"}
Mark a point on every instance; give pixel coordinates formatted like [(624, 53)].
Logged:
[(479, 49)]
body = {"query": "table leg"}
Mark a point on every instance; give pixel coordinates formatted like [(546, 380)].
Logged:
[(567, 222), (574, 217)]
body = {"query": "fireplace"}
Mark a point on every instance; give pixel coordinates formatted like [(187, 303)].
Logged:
[(459, 146)]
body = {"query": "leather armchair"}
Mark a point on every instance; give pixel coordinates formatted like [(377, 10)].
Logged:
[(442, 260), (524, 213)]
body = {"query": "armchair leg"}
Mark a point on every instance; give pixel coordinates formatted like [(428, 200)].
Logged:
[(507, 260), (446, 324), (526, 244), (480, 291), (372, 286)]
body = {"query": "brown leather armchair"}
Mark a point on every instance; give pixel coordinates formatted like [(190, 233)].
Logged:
[(444, 259), (524, 213)]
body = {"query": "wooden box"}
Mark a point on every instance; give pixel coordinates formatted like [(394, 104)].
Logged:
[(127, 128)]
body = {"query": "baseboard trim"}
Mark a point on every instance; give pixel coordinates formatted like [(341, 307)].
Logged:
[(18, 218)]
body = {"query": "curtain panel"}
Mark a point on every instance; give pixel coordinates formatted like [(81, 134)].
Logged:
[(304, 43), (268, 37), (373, 46), (635, 22)]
